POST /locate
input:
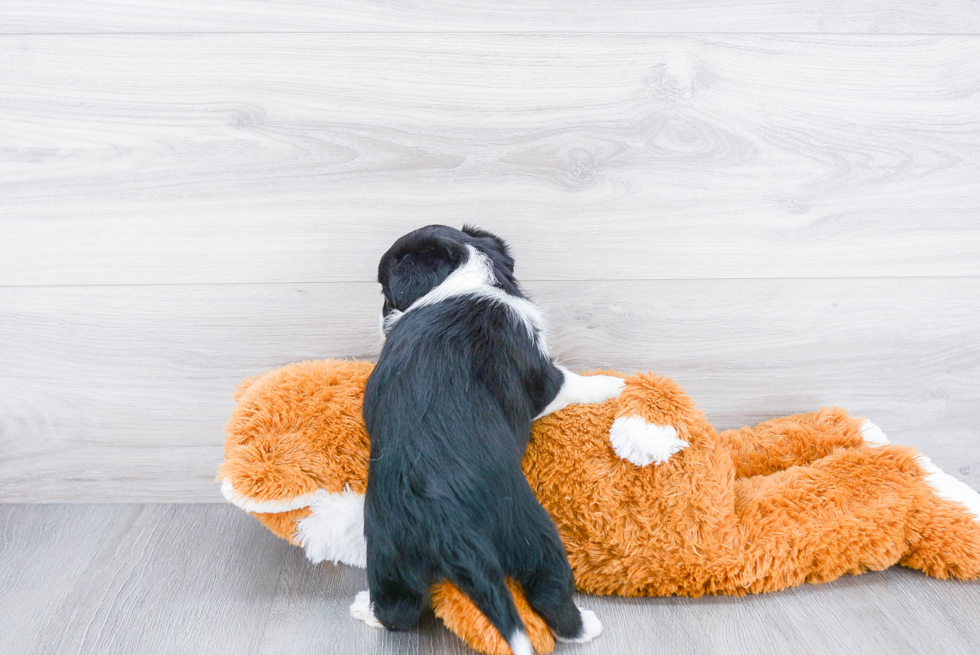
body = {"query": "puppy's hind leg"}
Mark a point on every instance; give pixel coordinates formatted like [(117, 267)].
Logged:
[(549, 586), (583, 389), (483, 581), (393, 602), (397, 606)]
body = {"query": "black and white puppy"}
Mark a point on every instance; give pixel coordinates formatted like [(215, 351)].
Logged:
[(463, 372)]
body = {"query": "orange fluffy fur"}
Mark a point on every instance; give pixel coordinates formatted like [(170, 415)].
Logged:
[(791, 500)]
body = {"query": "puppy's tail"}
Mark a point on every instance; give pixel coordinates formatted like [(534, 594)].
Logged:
[(489, 592)]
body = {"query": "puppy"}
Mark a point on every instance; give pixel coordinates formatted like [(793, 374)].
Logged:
[(463, 372)]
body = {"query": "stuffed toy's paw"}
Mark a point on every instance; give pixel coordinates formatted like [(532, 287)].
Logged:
[(653, 418), (644, 443)]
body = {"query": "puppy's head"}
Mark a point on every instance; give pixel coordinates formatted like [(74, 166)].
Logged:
[(422, 260)]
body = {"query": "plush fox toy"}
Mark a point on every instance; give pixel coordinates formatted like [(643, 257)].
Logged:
[(648, 498)]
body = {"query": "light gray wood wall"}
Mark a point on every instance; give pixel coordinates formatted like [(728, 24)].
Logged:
[(776, 203), (618, 16)]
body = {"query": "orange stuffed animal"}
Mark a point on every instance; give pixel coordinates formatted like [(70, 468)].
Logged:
[(649, 500)]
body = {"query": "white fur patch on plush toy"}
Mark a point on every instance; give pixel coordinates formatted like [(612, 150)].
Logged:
[(644, 443), (872, 434), (334, 530), (949, 488), (264, 506)]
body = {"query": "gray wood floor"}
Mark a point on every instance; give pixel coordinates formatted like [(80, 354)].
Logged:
[(207, 578)]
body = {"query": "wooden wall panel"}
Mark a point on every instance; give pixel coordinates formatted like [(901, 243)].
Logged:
[(170, 159), (121, 393), (870, 16), (777, 220)]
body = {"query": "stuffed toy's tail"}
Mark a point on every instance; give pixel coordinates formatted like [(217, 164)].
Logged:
[(461, 616), (492, 597)]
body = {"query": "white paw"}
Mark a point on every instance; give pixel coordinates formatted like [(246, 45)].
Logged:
[(873, 436), (591, 628), (602, 387), (360, 609), (644, 443), (583, 389)]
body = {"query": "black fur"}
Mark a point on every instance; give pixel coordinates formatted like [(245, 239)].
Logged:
[(448, 409)]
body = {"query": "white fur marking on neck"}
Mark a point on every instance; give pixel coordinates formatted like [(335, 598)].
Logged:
[(949, 488), (475, 278), (263, 506), (388, 322), (644, 443), (335, 529)]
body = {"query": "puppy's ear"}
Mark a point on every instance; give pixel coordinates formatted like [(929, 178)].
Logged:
[(491, 244), (410, 272)]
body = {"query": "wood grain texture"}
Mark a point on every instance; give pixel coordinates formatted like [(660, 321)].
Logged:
[(164, 579), (310, 615), (121, 393), (779, 221), (139, 159), (888, 612), (44, 553), (209, 579), (877, 16)]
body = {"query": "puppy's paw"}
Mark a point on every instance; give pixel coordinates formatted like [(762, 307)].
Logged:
[(644, 443), (361, 610), (584, 389), (872, 434), (597, 388), (591, 628)]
